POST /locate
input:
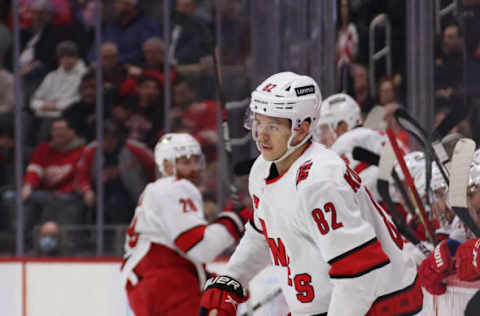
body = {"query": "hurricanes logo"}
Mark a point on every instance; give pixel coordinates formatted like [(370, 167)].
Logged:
[(302, 172)]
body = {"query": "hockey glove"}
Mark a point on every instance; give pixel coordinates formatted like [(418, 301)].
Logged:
[(468, 261), (222, 296), (435, 268), (235, 221)]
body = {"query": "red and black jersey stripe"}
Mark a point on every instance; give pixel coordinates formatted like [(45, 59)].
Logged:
[(189, 238), (358, 261)]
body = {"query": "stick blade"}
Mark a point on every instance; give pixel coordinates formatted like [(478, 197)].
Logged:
[(375, 118), (460, 168)]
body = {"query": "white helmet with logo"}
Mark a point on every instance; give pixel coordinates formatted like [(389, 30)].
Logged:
[(291, 96), (415, 162), (474, 177), (175, 145), (340, 107)]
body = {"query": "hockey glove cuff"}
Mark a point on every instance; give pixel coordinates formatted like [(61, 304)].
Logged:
[(222, 296), (435, 268), (468, 261)]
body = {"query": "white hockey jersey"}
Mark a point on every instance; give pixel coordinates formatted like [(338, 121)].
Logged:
[(170, 213), (369, 139), (339, 251)]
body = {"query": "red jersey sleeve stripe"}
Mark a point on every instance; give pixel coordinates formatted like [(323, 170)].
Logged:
[(360, 167), (358, 261), (188, 239), (231, 227)]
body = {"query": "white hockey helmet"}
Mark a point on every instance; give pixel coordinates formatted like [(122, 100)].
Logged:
[(291, 96), (415, 162), (476, 157), (340, 107), (474, 177), (175, 145)]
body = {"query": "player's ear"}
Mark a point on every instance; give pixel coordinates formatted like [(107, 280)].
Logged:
[(168, 167), (342, 128), (301, 132)]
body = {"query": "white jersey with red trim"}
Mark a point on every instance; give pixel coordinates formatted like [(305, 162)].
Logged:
[(366, 138), (339, 251), (170, 213)]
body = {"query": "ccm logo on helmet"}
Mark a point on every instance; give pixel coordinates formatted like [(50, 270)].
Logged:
[(305, 90)]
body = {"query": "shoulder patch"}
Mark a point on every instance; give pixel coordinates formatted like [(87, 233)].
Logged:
[(303, 170)]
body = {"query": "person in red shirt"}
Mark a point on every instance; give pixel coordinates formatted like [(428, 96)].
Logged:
[(128, 167), (48, 183)]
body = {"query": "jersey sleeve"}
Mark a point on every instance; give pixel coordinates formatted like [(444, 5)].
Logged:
[(180, 214), (250, 256), (347, 242)]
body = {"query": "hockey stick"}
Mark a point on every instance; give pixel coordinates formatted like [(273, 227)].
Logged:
[(411, 186), (385, 164), (375, 118), (385, 168), (228, 174), (365, 155), (447, 124), (457, 194), (412, 126), (264, 301)]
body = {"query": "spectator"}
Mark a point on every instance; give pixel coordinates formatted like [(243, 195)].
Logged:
[(48, 183), (449, 66), (48, 244), (145, 123), (82, 114), (60, 88), (38, 42), (7, 100), (114, 73), (128, 167), (190, 39), (347, 37), (386, 91), (60, 8), (154, 55), (129, 30), (236, 34), (195, 116), (361, 88), (7, 163)]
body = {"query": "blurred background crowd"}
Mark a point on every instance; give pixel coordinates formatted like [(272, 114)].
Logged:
[(131, 70)]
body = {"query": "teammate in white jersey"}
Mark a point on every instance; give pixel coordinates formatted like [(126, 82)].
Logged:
[(338, 251), (341, 114), (169, 239)]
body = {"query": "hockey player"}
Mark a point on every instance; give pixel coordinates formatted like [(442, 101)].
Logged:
[(337, 250), (169, 240), (438, 266), (342, 114)]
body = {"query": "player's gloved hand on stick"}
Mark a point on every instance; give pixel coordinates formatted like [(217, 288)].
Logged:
[(235, 220), (222, 296), (436, 267), (468, 260)]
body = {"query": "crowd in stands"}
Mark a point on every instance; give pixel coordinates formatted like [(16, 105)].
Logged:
[(57, 65)]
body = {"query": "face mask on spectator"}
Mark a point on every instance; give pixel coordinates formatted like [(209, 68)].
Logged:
[(48, 244)]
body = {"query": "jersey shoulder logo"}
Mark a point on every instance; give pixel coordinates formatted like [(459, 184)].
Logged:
[(303, 171)]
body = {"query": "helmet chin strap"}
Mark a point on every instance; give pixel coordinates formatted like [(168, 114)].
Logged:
[(290, 148)]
